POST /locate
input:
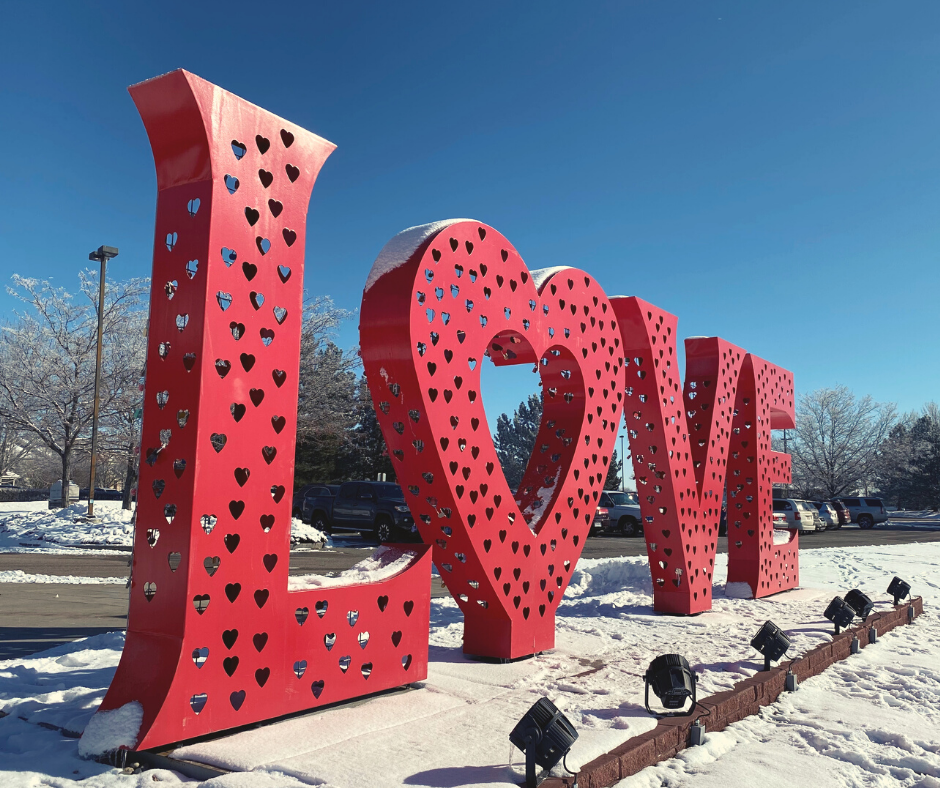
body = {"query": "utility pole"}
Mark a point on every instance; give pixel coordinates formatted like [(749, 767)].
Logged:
[(623, 474), (103, 254)]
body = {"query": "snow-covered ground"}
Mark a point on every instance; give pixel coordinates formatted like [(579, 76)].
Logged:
[(19, 576), (872, 720), (924, 515), (34, 524), (28, 527)]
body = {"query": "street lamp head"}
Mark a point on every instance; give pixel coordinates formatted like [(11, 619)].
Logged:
[(104, 253)]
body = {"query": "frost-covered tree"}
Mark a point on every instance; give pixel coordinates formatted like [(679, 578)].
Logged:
[(326, 406), (15, 448), (837, 441), (47, 360)]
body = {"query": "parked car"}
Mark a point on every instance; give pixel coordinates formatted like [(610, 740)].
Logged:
[(624, 513), (601, 518), (312, 500), (828, 514), (297, 504), (845, 516), (102, 494), (865, 511), (801, 515), (377, 508), (780, 520)]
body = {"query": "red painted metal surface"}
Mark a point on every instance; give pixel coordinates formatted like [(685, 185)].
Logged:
[(679, 439), (687, 445), (764, 402), (439, 300), (215, 640)]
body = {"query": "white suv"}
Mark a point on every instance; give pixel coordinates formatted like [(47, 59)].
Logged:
[(865, 511), (801, 515)]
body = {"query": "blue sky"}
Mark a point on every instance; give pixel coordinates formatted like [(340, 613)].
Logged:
[(768, 173)]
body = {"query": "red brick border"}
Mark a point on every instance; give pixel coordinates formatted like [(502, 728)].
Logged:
[(671, 735)]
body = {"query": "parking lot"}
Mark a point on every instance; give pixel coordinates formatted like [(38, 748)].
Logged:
[(34, 616)]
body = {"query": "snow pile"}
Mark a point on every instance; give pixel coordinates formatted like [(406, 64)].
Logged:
[(19, 576), (301, 532), (925, 514), (61, 687), (109, 731), (34, 523), (599, 576), (384, 563), (398, 251)]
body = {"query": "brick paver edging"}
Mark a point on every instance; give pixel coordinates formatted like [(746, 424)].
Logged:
[(672, 733)]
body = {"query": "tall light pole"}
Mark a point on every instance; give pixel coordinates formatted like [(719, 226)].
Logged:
[(103, 254), (623, 475)]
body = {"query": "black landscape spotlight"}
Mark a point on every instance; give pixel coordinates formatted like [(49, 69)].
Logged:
[(772, 642), (899, 589), (672, 681), (860, 603), (545, 735), (839, 613)]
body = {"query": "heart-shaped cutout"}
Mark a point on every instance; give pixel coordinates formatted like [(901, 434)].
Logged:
[(237, 699)]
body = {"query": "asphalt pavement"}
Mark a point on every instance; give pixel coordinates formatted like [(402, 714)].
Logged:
[(36, 616)]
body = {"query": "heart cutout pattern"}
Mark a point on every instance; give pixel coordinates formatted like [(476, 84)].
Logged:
[(558, 319)]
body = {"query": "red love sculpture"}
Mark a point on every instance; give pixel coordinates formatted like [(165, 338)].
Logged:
[(767, 560), (215, 639), (439, 300)]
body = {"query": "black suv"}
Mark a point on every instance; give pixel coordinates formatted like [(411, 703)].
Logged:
[(378, 508)]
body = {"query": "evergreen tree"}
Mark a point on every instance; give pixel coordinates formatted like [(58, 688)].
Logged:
[(368, 453), (515, 438), (614, 471), (909, 468)]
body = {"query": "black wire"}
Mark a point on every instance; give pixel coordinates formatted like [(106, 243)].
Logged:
[(564, 763), (699, 703)]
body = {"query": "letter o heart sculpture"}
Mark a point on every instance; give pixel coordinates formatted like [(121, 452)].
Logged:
[(441, 298)]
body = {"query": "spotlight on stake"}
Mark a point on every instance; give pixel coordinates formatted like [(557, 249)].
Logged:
[(772, 642), (673, 681), (839, 613), (899, 590), (860, 603), (545, 735)]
